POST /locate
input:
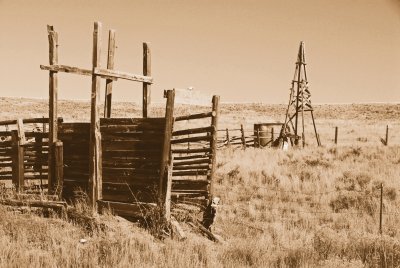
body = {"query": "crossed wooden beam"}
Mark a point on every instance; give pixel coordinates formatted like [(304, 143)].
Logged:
[(95, 172)]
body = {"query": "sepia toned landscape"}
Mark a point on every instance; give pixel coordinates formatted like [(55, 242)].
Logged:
[(317, 206)]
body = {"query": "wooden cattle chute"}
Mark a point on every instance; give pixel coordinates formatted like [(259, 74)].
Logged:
[(194, 156)]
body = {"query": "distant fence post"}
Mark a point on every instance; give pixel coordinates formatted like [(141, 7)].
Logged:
[(243, 138), (387, 135), (17, 161), (58, 168), (272, 136), (380, 210), (227, 138), (258, 138), (336, 134)]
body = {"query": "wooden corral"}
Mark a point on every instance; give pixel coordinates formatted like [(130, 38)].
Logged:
[(128, 165)]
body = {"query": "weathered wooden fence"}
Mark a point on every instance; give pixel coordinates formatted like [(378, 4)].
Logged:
[(194, 156)]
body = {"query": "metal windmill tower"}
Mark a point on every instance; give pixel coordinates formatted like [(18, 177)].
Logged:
[(299, 103)]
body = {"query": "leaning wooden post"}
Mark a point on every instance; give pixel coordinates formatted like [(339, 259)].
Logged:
[(17, 161), (336, 134), (53, 97), (95, 159), (213, 144), (59, 167), (110, 66), (387, 135), (146, 72), (166, 153)]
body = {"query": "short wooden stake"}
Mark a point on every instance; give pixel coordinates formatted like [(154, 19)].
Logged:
[(227, 138), (380, 210), (336, 134), (17, 162), (272, 136), (258, 138), (59, 167), (387, 136)]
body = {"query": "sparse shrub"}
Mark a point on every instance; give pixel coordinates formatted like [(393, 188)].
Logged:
[(354, 200)]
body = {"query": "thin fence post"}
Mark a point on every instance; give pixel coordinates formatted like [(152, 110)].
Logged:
[(272, 136), (336, 134), (243, 138), (146, 72), (17, 161), (110, 66), (380, 211), (387, 135), (227, 138), (258, 138), (213, 144)]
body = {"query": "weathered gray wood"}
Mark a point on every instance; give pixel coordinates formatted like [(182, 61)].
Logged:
[(191, 173), (193, 167), (105, 73), (214, 142), (193, 162), (21, 131), (387, 136), (168, 187), (146, 72), (53, 99), (192, 139), (193, 131), (18, 162), (189, 151), (166, 148), (34, 203), (73, 70), (95, 159), (194, 156), (59, 167), (124, 209), (194, 116), (336, 134), (110, 66)]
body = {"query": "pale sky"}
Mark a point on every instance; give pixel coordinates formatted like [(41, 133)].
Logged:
[(242, 50)]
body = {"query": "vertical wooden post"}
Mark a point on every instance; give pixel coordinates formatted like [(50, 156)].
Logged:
[(258, 139), (336, 134), (53, 98), (146, 72), (166, 150), (380, 210), (110, 66), (17, 161), (168, 188), (213, 144), (387, 135), (227, 138), (59, 167), (272, 136), (95, 159), (243, 137)]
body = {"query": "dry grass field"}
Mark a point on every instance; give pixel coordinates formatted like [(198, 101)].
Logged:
[(315, 207)]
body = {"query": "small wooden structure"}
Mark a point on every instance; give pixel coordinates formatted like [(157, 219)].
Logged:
[(125, 164)]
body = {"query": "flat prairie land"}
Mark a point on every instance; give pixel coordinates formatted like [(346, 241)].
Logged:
[(312, 207)]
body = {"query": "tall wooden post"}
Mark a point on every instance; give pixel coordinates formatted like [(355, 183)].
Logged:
[(110, 66), (166, 150), (146, 72), (95, 159), (272, 136), (17, 161), (227, 138), (53, 98), (243, 137), (213, 143), (380, 210)]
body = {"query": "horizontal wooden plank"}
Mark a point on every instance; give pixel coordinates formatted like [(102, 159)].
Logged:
[(144, 136), (193, 131), (28, 121), (131, 128), (128, 172), (6, 164), (190, 173), (5, 134), (106, 73), (189, 151), (81, 127), (132, 121), (192, 139), (72, 70), (139, 180), (132, 145), (191, 162), (193, 167), (195, 116), (132, 154), (5, 177), (193, 156)]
